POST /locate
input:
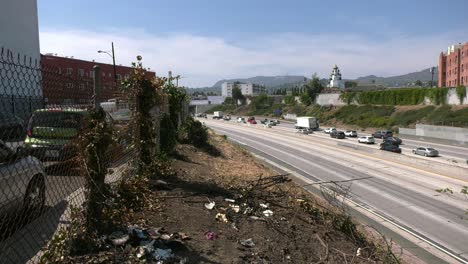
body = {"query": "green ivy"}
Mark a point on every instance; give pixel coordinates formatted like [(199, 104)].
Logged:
[(461, 93)]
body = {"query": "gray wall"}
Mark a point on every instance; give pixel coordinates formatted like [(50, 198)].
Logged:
[(444, 132), (19, 30)]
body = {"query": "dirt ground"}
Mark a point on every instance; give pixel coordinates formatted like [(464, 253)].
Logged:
[(299, 229)]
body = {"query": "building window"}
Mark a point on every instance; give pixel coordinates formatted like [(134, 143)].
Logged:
[(119, 77), (81, 72), (69, 85), (60, 70), (103, 74), (69, 71), (91, 74), (82, 86), (110, 75)]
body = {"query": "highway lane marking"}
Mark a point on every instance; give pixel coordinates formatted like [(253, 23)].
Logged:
[(371, 157), (404, 146), (342, 176), (373, 212)]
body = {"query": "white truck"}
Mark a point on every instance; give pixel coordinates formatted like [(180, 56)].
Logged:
[(307, 122), (218, 115)]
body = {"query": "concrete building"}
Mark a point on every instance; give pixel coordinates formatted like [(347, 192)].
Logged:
[(69, 80), (335, 79), (453, 66), (19, 42), (246, 89)]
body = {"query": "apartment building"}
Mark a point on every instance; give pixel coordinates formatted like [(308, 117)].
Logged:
[(453, 66), (246, 88)]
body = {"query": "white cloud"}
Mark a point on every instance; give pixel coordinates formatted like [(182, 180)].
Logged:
[(204, 60)]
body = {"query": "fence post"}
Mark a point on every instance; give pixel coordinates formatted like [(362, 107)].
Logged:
[(97, 86)]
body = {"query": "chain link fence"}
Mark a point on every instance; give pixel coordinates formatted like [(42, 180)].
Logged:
[(45, 115)]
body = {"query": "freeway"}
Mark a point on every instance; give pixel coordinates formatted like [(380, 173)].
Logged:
[(404, 194), (449, 151)]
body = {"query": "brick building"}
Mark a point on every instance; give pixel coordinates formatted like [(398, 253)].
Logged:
[(70, 80), (453, 66)]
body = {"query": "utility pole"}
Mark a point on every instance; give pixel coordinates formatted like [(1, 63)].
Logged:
[(113, 61), (432, 78)]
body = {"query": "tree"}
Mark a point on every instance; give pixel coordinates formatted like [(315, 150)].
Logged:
[(305, 99), (229, 101), (237, 93), (418, 83), (350, 84), (313, 88)]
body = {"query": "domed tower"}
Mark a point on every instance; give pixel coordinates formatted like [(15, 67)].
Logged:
[(335, 78)]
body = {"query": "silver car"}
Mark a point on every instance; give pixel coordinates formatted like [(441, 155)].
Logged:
[(22, 184), (427, 152)]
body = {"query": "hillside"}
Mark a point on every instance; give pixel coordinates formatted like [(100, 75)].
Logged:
[(268, 81), (399, 80)]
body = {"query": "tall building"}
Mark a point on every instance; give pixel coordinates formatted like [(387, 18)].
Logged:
[(19, 43), (80, 75), (453, 66), (335, 79), (246, 88)]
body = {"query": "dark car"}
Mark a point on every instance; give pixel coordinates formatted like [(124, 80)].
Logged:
[(393, 140), (263, 121), (337, 134), (390, 147), (383, 134), (11, 127)]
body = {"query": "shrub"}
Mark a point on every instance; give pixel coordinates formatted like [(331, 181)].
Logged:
[(461, 93), (412, 116), (168, 134), (195, 133)]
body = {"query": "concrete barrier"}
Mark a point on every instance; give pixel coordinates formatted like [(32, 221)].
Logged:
[(407, 131), (443, 132)]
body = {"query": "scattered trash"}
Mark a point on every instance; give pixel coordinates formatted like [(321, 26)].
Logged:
[(247, 243), (165, 237), (283, 218), (221, 217), (358, 252), (141, 252), (210, 205), (118, 238), (234, 227), (264, 205), (153, 233), (257, 218), (181, 236), (230, 200), (248, 210), (300, 200), (162, 254), (235, 207), (210, 235), (268, 213), (133, 230), (147, 245)]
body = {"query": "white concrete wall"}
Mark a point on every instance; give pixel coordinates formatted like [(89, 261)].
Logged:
[(329, 99), (443, 132)]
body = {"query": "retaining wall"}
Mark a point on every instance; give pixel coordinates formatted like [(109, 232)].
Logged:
[(443, 132)]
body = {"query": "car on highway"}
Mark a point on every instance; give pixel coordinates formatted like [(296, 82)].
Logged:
[(227, 118), (11, 127), (22, 183), (426, 151), (337, 134), (276, 121), (366, 139), (382, 134), (305, 131), (267, 125), (50, 132), (329, 130), (393, 140), (252, 121), (241, 120), (263, 121), (390, 147), (350, 133)]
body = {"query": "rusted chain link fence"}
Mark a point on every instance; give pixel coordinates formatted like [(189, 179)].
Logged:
[(64, 136)]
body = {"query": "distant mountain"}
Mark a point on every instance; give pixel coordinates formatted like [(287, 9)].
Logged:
[(400, 80), (268, 81)]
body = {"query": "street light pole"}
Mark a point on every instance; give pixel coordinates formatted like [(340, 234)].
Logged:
[(432, 78), (113, 61)]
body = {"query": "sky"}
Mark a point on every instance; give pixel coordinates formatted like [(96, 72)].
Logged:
[(206, 40)]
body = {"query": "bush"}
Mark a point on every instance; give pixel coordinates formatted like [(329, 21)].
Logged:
[(289, 100), (168, 134), (366, 115), (412, 116), (461, 93), (195, 133)]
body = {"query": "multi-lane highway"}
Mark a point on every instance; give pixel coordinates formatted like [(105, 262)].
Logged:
[(404, 194)]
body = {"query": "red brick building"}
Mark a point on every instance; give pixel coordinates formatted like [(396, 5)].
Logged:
[(453, 66), (70, 81)]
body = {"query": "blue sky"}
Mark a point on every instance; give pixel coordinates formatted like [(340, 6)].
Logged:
[(205, 41)]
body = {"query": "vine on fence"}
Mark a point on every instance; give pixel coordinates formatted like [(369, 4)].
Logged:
[(403, 96), (461, 93)]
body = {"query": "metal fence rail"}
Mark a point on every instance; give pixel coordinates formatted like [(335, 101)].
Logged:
[(41, 167)]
